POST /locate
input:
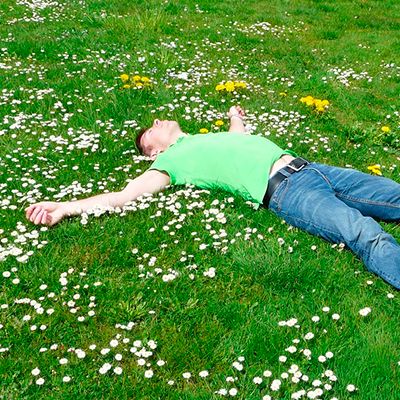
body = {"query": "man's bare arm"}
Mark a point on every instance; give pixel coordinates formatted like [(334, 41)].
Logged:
[(236, 115), (50, 213)]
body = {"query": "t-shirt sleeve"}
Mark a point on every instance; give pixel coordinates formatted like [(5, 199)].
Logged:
[(165, 165)]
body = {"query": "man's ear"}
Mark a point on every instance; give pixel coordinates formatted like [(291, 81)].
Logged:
[(154, 154)]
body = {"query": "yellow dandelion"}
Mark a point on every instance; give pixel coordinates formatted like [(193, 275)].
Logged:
[(229, 86), (127, 86), (324, 103), (136, 78), (145, 79), (139, 84), (320, 109), (283, 94), (317, 102), (310, 101), (218, 88), (375, 169), (385, 129), (219, 123), (203, 130), (240, 84), (125, 77)]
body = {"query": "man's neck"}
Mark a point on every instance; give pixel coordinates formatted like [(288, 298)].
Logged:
[(176, 137)]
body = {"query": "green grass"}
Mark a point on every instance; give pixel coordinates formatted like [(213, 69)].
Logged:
[(75, 54)]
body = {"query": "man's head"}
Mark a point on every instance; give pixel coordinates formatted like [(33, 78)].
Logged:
[(156, 139)]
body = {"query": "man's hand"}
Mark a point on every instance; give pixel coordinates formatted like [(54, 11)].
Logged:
[(236, 115), (46, 213), (235, 110)]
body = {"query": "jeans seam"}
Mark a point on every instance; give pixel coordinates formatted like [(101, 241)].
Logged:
[(377, 203), (282, 195)]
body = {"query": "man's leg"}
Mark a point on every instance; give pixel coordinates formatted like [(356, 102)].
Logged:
[(307, 200), (373, 196)]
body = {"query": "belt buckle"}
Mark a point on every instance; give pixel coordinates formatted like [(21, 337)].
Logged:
[(299, 168)]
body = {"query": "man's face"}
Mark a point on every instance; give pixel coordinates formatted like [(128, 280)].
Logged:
[(158, 136)]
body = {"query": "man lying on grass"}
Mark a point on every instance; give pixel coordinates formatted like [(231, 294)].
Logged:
[(340, 205)]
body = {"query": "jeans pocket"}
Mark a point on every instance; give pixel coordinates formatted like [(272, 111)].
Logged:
[(277, 197)]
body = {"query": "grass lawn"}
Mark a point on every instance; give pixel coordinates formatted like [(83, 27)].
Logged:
[(190, 294)]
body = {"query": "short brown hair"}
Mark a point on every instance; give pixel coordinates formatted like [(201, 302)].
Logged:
[(138, 140)]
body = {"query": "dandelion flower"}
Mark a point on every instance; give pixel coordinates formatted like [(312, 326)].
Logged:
[(203, 130), (125, 77), (219, 123), (385, 129), (229, 86), (219, 88), (240, 85), (375, 169)]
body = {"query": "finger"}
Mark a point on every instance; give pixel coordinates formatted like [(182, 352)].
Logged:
[(44, 219), (29, 210), (38, 217), (34, 213)]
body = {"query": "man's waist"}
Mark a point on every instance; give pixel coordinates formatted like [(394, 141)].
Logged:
[(282, 168), (280, 163)]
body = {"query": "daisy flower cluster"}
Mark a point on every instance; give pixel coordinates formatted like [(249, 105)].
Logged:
[(120, 351), (42, 11), (264, 28), (21, 242), (298, 372), (348, 76)]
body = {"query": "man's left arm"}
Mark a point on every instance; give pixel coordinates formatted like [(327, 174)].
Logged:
[(235, 116)]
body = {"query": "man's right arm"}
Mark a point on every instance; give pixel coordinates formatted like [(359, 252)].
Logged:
[(50, 213)]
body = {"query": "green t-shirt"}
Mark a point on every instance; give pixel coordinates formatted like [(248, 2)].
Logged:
[(239, 164)]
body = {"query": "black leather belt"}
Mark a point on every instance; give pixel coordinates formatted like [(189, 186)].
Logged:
[(295, 165)]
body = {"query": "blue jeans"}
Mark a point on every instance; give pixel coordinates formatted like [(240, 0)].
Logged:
[(342, 206)]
